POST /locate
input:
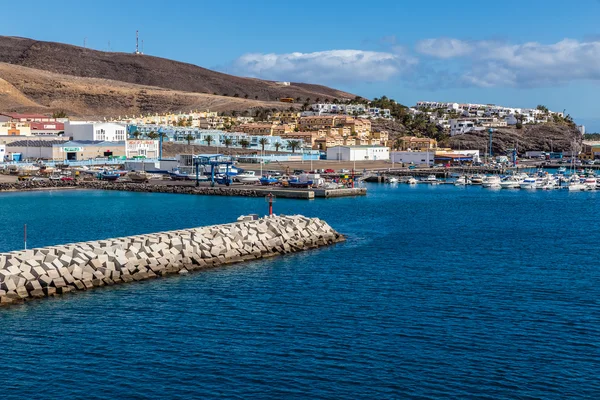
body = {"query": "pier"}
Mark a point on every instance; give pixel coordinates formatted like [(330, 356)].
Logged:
[(188, 188), (55, 270)]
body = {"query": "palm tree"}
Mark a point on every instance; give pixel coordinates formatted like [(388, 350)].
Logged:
[(136, 134), (277, 146), (228, 142), (293, 145), (263, 141), (152, 135), (244, 143), (189, 137), (208, 139)]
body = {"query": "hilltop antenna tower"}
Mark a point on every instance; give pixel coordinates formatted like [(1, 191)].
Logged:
[(137, 41), (142, 46)]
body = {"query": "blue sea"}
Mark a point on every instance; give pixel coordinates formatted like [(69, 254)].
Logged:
[(439, 292)]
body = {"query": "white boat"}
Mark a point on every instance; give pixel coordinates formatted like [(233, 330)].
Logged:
[(247, 177), (491, 181), (431, 179), (477, 180), (575, 184), (412, 181), (590, 183), (510, 183), (528, 183), (391, 179), (562, 170), (461, 181)]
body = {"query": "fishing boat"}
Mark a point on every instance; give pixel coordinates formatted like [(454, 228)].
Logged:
[(223, 179), (412, 181), (247, 177), (177, 175), (108, 176), (138, 176), (269, 180), (391, 179), (491, 181)]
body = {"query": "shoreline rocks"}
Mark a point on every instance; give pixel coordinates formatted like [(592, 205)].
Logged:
[(56, 270), (129, 187)]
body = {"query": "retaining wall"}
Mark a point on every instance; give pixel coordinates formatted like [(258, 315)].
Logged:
[(54, 270)]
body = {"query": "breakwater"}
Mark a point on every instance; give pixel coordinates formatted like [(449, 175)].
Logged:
[(54, 270), (169, 187)]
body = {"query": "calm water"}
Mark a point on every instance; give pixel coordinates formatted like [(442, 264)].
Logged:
[(440, 292)]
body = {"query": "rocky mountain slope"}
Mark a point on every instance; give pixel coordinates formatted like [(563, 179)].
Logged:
[(149, 71), (543, 137), (29, 90)]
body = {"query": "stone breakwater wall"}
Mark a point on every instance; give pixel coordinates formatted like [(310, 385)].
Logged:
[(54, 270), (130, 187)]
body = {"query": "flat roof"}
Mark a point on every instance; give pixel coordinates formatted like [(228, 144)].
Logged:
[(35, 143)]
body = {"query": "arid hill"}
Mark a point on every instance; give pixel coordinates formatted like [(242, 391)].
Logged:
[(542, 137), (30, 90), (150, 71)]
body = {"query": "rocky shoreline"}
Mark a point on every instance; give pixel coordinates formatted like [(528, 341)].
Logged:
[(55, 270)]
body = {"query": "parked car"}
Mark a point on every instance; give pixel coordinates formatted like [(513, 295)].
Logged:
[(345, 171), (66, 178), (299, 171), (330, 171), (37, 179)]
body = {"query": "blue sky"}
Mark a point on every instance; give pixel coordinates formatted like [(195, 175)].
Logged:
[(514, 53)]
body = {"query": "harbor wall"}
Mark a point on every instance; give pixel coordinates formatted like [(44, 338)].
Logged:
[(56, 270)]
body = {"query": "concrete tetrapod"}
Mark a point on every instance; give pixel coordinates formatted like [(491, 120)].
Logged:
[(49, 271)]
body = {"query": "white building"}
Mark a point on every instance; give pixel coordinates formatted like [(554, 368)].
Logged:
[(142, 148), (413, 157), (470, 153), (459, 126), (581, 129), (97, 131), (358, 153)]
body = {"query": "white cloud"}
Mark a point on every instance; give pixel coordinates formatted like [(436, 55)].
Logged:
[(325, 66), (494, 63), (444, 47)]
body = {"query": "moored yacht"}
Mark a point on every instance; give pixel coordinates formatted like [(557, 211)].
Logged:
[(461, 181), (477, 180), (431, 179), (528, 183), (491, 181), (510, 183)]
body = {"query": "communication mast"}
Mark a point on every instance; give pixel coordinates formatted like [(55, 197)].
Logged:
[(137, 41)]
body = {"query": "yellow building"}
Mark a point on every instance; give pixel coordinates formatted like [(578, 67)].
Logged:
[(318, 122), (287, 117), (306, 137), (417, 144), (15, 129), (362, 127), (383, 137), (257, 129)]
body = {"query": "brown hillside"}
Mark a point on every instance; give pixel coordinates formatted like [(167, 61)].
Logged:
[(149, 71), (30, 90), (542, 137)]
